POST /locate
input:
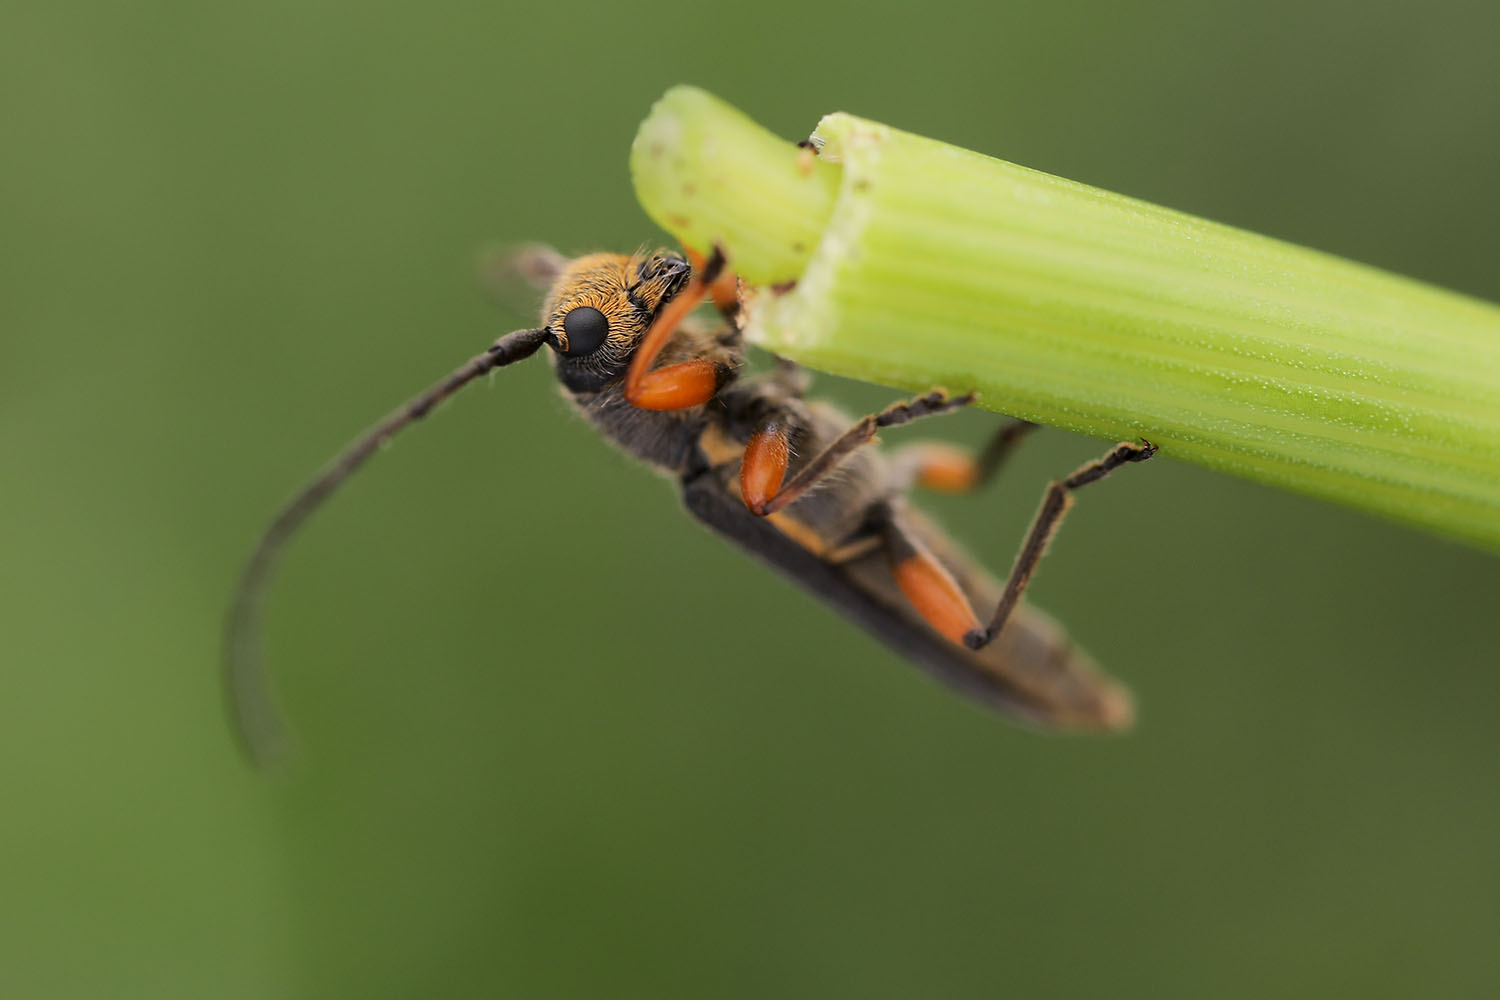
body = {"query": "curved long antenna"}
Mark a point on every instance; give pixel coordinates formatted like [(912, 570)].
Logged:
[(251, 708)]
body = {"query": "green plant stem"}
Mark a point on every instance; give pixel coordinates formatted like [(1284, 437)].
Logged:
[(917, 264)]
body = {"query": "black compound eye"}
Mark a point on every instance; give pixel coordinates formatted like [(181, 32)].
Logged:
[(586, 328)]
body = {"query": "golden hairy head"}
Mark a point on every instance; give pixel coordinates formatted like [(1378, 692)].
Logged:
[(601, 305)]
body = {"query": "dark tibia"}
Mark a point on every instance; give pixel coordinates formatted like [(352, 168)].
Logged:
[(1055, 503), (862, 433)]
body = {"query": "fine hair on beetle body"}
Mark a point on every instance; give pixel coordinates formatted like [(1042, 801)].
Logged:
[(793, 482)]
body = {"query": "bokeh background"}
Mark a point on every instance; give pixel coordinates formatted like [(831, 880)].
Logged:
[(555, 740)]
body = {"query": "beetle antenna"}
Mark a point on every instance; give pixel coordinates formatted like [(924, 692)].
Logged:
[(251, 708)]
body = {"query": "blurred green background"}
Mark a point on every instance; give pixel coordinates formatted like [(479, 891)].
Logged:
[(556, 740)]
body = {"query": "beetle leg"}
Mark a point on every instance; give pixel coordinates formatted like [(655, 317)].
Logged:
[(763, 468), (687, 383), (723, 286), (1055, 503), (927, 584), (947, 468), (676, 387)]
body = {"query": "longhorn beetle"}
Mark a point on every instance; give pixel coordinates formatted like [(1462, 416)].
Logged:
[(791, 481)]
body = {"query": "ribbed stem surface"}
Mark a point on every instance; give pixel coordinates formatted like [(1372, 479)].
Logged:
[(927, 265)]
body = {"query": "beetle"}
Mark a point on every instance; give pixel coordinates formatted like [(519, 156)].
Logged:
[(792, 482)]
